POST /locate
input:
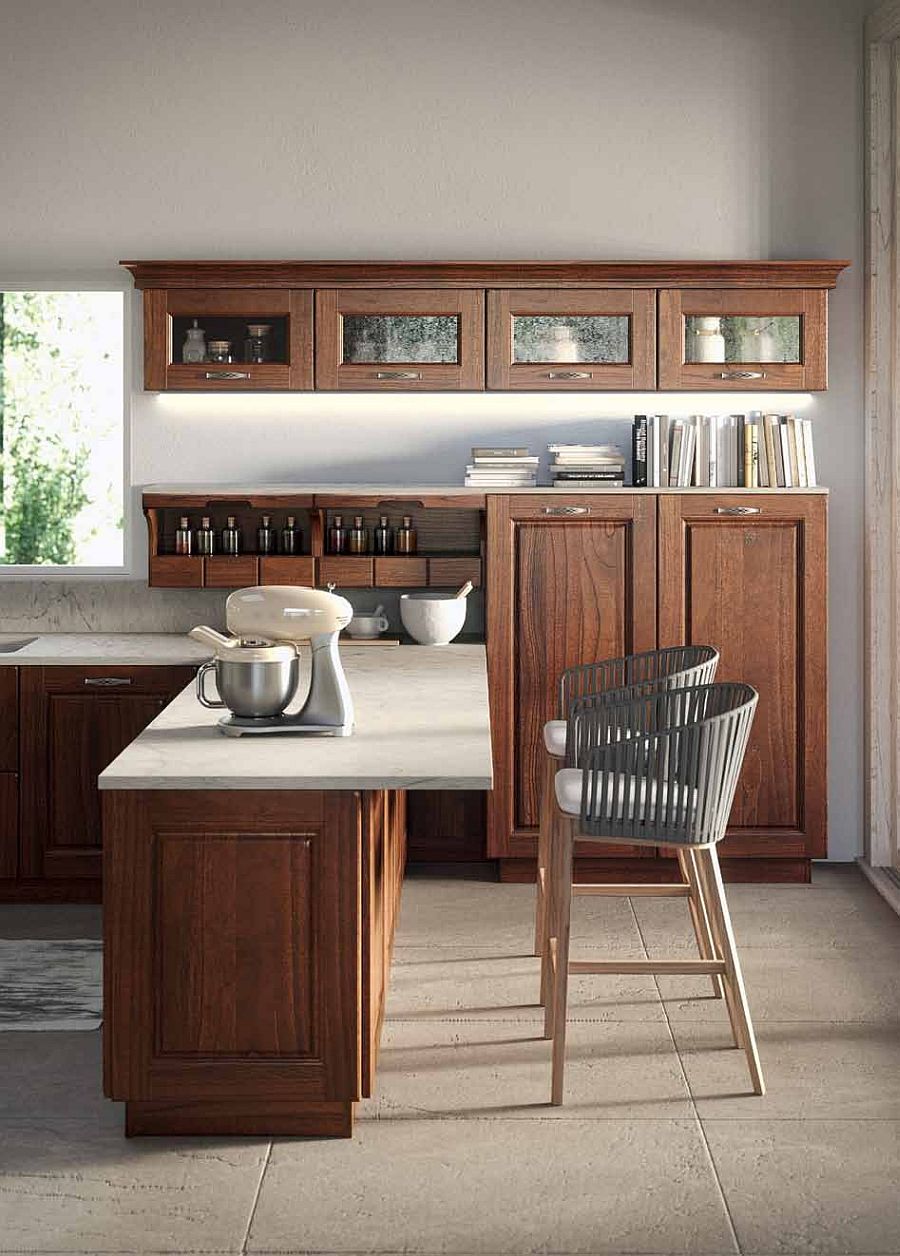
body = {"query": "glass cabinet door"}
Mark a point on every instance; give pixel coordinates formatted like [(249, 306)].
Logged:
[(228, 339), (371, 339), (742, 338), (571, 339)]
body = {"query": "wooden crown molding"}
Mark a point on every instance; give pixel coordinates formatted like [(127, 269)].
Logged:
[(561, 274)]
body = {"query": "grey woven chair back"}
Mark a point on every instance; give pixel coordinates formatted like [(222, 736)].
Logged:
[(662, 766), (669, 668)]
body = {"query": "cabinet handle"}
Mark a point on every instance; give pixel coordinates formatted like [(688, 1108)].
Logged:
[(567, 510), (570, 374), (107, 682), (742, 375), (227, 374), (398, 374), (738, 510)]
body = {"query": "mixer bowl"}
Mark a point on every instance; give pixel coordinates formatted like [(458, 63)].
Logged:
[(252, 689)]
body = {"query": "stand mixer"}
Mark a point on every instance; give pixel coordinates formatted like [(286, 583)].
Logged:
[(257, 668)]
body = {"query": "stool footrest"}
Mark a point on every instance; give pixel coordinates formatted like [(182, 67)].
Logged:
[(674, 889), (689, 967)]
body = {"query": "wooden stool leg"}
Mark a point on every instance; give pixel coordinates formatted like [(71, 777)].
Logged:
[(699, 917), (565, 842), (545, 819), (708, 894), (554, 891), (733, 976)]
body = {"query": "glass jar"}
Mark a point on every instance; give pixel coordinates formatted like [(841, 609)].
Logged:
[(220, 351), (194, 347), (256, 346)]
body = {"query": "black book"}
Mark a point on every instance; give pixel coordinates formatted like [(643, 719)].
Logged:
[(639, 451), (612, 474)]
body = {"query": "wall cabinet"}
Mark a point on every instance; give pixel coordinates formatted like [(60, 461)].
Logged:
[(73, 722), (569, 580), (544, 326)]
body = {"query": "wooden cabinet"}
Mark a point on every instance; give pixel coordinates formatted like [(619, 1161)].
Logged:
[(380, 340), (226, 315), (748, 575), (571, 340), (743, 339), (570, 580), (74, 721)]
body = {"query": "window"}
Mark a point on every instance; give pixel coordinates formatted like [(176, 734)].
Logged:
[(61, 429)]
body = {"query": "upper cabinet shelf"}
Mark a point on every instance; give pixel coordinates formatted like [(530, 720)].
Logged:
[(466, 326)]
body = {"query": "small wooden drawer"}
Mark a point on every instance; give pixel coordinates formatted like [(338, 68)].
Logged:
[(229, 377), (454, 572), (401, 572), (288, 569), (223, 572), (9, 719), (346, 572), (176, 571)]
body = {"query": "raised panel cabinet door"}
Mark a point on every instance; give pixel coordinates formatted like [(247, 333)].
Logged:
[(570, 580), (373, 339), (9, 825), (748, 575), (743, 338), (571, 340), (74, 723)]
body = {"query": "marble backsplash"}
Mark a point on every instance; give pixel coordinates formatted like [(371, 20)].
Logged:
[(105, 606)]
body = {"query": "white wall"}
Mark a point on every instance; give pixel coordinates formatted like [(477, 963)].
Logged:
[(412, 129)]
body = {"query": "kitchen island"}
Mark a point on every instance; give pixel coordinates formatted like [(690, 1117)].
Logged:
[(251, 891)]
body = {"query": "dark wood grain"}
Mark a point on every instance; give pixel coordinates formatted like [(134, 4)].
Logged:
[(284, 569), (755, 587), (347, 572), (560, 591), (811, 374), (235, 1117), (9, 825), (447, 825), (639, 372), (401, 572), (485, 274), (175, 571), (9, 719), (157, 339), (452, 573), (223, 572)]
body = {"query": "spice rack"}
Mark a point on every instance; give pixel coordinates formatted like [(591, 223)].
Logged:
[(449, 532)]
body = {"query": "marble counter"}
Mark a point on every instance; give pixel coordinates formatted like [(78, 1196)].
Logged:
[(422, 722), (101, 649)]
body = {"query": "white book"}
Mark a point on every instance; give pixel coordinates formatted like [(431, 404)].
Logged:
[(785, 451), (688, 446), (664, 442), (796, 431), (713, 450), (652, 451), (763, 465), (701, 453), (806, 426), (725, 452)]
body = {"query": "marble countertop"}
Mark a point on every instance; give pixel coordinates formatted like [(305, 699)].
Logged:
[(422, 722), (101, 649)]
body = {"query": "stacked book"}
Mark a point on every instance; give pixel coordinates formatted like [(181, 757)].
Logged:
[(500, 467), (723, 451), (586, 466)]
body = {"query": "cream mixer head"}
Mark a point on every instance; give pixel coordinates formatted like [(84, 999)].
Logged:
[(286, 612)]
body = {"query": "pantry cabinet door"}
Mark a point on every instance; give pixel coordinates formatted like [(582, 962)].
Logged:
[(570, 580), (743, 339), (571, 340), (376, 340), (747, 575)]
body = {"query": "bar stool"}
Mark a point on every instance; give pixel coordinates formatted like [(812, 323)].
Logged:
[(653, 769), (671, 668)]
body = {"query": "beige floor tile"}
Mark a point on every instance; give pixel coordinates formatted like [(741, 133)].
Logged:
[(839, 984), (614, 1069), (472, 983), (72, 1188), (812, 1070), (495, 1186), (448, 912), (54, 1076), (810, 1186), (835, 911)]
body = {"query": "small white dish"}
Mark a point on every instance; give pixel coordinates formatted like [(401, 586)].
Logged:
[(366, 627)]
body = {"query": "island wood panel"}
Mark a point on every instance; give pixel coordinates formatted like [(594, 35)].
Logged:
[(308, 1079), (74, 721), (9, 825), (384, 861), (446, 825), (754, 585), (570, 580), (9, 719)]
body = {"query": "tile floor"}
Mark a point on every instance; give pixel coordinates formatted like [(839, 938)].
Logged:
[(659, 1149)]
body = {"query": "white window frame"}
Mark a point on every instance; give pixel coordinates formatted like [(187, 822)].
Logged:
[(90, 282)]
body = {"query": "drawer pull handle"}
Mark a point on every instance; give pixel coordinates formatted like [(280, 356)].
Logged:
[(738, 510), (107, 682), (742, 375), (570, 374), (227, 374), (567, 510), (398, 374)]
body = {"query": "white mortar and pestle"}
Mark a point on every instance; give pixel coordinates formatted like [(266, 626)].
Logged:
[(434, 618)]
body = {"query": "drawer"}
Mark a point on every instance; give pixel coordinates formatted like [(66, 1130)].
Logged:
[(176, 571), (288, 569), (230, 377), (347, 572), (108, 679), (222, 572), (454, 572), (401, 572)]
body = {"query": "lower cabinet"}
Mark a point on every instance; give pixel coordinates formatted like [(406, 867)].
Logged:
[(73, 721)]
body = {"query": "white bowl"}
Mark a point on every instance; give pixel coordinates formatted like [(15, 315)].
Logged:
[(432, 618)]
